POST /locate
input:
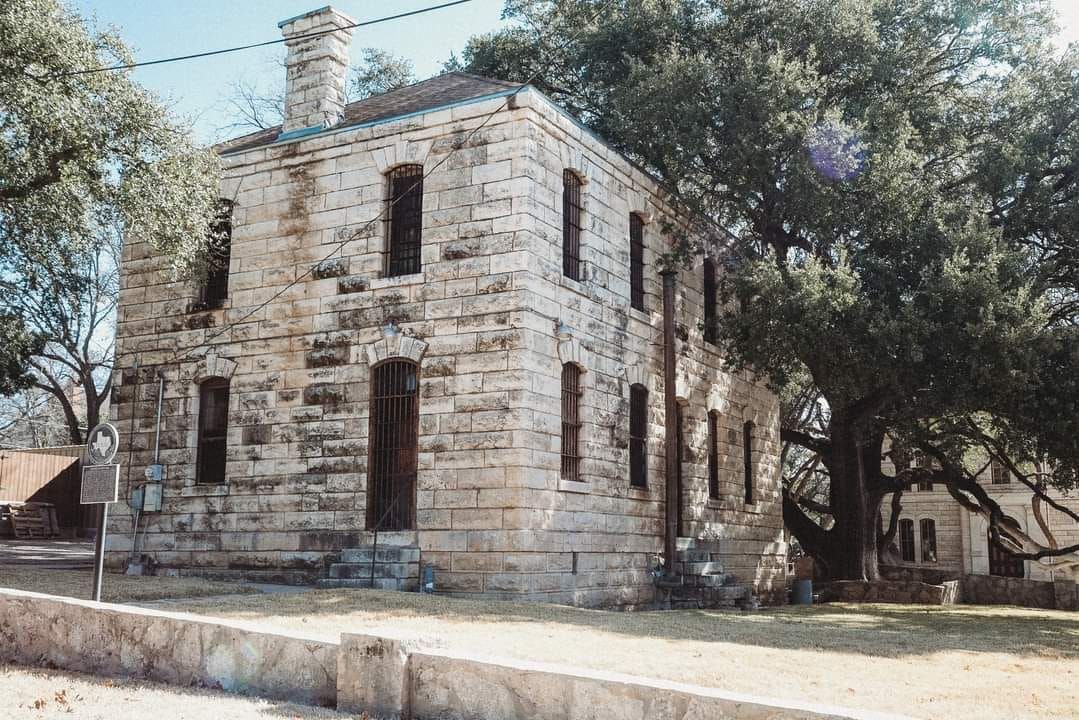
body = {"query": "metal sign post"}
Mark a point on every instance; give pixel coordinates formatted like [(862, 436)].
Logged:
[(100, 486)]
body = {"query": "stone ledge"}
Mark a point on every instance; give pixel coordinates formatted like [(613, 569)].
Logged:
[(574, 487)]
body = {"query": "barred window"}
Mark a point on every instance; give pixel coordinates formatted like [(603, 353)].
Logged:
[(212, 431), (710, 329), (571, 422), (638, 436), (747, 457), (215, 286), (571, 225), (928, 527), (393, 455), (404, 217), (906, 540), (713, 454), (1000, 473), (636, 261)]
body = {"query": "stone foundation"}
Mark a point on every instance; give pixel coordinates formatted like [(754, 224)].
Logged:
[(891, 591)]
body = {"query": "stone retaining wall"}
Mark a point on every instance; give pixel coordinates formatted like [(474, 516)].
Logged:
[(891, 591), (993, 590), (361, 674), (175, 648)]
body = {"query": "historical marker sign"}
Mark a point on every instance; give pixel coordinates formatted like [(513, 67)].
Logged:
[(100, 484), (102, 444)]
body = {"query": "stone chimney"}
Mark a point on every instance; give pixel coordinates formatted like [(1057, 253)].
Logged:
[(317, 68)]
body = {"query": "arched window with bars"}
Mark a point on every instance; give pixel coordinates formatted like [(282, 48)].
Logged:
[(571, 422), (638, 436), (571, 224), (393, 454), (404, 220), (747, 459), (713, 454), (636, 261), (213, 426)]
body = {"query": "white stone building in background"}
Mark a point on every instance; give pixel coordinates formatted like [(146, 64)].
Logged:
[(479, 375), (936, 533)]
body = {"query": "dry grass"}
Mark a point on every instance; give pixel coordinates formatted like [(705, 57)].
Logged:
[(931, 662), (114, 587), (49, 694)]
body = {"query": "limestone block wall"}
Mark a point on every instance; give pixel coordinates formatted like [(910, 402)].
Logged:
[(937, 505)]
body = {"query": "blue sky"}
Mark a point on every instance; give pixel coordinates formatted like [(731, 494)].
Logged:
[(198, 89)]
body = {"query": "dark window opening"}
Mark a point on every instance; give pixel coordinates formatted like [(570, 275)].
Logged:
[(906, 540), (404, 217), (680, 454), (636, 261), (1003, 563), (713, 455), (638, 436), (215, 286), (710, 329), (393, 455), (213, 431), (571, 422), (1000, 473), (918, 461), (571, 225), (928, 529), (747, 458)]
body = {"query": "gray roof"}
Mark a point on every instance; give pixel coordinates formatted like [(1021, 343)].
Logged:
[(446, 89)]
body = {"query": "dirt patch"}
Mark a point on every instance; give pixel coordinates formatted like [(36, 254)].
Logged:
[(114, 587)]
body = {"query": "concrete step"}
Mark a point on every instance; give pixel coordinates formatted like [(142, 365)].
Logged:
[(710, 581), (407, 585), (384, 554), (397, 571)]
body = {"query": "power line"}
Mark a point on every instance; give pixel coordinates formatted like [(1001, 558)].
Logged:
[(359, 233), (209, 53)]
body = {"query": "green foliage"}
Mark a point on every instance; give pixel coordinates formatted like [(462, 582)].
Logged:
[(379, 71), (83, 157), (898, 183)]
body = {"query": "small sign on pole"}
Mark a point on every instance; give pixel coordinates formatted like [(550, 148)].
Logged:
[(100, 486)]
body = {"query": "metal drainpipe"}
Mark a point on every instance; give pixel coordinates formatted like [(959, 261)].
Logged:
[(157, 425), (670, 416)]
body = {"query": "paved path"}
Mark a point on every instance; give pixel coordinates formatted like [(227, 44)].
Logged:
[(47, 553)]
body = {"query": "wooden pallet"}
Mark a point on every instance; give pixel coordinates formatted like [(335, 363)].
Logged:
[(34, 521)]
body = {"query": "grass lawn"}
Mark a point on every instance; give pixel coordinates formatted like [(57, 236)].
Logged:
[(49, 694), (929, 662), (114, 587)]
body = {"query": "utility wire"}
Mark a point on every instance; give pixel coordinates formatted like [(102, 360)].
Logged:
[(209, 53), (177, 356)]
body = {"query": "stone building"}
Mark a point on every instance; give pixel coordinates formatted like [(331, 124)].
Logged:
[(937, 534), (440, 315)]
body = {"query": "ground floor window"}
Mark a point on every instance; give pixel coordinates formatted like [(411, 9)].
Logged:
[(929, 540), (906, 540)]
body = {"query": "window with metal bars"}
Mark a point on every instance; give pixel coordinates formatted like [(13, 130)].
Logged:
[(713, 454), (638, 436), (393, 453), (215, 286), (747, 458), (212, 431), (1000, 474), (710, 329), (636, 261), (571, 225), (571, 422), (928, 526), (906, 540), (404, 219)]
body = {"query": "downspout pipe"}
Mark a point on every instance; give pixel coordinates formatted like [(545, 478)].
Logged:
[(670, 423)]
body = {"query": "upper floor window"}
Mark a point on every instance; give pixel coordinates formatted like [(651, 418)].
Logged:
[(713, 454), (636, 261), (571, 225), (212, 430), (1000, 473), (404, 218), (906, 540), (710, 329), (215, 286), (925, 480), (638, 436), (928, 527), (747, 455), (571, 422)]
